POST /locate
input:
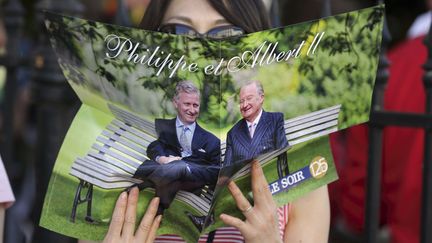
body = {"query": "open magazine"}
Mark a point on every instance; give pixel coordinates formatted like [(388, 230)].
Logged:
[(317, 78)]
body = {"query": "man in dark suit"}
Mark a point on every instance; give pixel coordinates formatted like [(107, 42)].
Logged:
[(258, 132), (185, 156)]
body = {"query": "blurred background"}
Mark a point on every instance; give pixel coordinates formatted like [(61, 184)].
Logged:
[(37, 106)]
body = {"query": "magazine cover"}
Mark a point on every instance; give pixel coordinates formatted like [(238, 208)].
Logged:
[(181, 116)]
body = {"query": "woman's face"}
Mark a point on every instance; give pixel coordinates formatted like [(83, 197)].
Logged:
[(198, 14)]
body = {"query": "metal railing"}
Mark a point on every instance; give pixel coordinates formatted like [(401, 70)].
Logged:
[(380, 118)]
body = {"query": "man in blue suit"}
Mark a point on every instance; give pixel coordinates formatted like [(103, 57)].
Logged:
[(185, 156), (258, 132)]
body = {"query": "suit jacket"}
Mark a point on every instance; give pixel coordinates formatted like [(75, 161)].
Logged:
[(269, 135), (205, 146)]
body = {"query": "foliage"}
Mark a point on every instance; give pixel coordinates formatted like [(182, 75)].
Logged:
[(341, 71)]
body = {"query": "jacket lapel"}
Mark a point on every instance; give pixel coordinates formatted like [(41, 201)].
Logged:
[(243, 136), (260, 130), (168, 132), (198, 138)]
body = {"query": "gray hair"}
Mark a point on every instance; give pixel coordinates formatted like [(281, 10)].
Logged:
[(257, 83), (186, 86)]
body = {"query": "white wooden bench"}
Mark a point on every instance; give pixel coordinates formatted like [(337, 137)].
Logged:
[(121, 148)]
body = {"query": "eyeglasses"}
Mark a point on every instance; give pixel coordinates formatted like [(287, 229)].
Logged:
[(215, 33)]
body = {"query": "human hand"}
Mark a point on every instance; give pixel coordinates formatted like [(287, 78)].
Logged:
[(261, 224), (122, 224), (167, 159), (6, 205)]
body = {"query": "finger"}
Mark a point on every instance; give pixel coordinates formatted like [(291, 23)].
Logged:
[(147, 220), (155, 226), (130, 216), (234, 222), (241, 201), (260, 189), (117, 218)]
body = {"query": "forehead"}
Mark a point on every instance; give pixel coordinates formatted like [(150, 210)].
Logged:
[(193, 12), (248, 90), (189, 97)]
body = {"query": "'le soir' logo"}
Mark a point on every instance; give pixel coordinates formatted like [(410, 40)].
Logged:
[(318, 167)]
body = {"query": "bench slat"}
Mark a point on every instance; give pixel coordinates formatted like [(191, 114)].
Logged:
[(137, 132), (315, 135), (311, 130), (105, 169), (119, 183), (128, 135), (333, 109), (113, 162), (103, 165), (125, 142), (192, 199), (137, 122), (114, 154), (311, 123), (120, 148), (132, 119)]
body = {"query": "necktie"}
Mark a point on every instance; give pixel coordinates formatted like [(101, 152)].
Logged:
[(252, 129), (185, 142)]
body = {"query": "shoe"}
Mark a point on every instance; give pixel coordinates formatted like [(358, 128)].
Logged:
[(199, 221), (160, 210)]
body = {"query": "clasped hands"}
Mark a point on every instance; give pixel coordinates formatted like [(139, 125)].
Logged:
[(167, 159), (261, 224)]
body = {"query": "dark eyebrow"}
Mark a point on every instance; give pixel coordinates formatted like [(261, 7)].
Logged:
[(222, 22), (184, 19)]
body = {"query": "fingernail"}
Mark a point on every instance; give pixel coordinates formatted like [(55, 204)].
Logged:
[(123, 195), (155, 200), (159, 219)]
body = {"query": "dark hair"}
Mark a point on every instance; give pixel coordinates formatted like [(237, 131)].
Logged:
[(250, 15)]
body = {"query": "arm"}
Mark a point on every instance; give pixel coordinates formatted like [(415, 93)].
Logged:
[(156, 152), (155, 149), (309, 218)]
